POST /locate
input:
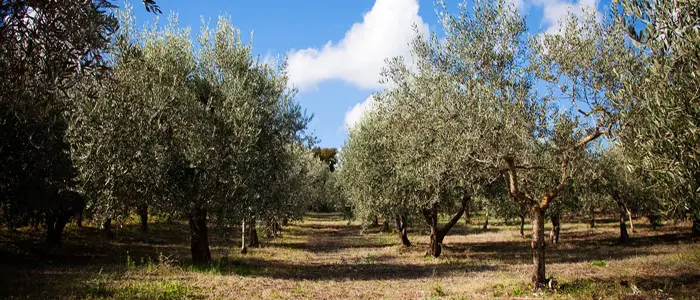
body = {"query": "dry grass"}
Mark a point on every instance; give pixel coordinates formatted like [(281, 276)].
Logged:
[(324, 257)]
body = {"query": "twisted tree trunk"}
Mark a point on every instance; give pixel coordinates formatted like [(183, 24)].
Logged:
[(199, 236), (402, 229), (437, 235)]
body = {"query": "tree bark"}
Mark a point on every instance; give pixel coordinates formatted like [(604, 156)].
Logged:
[(467, 217), (107, 227), (486, 223), (285, 221), (385, 226), (402, 230), (79, 222), (556, 228), (592, 222), (199, 237), (629, 214), (54, 229), (522, 225), (654, 221), (696, 225), (143, 215), (539, 278), (253, 241), (437, 235), (624, 237), (244, 247), (375, 221)]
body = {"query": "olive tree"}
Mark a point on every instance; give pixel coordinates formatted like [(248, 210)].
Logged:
[(368, 175), (214, 126), (526, 133), (47, 47), (661, 126)]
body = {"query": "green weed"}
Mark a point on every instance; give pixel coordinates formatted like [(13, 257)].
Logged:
[(437, 290), (599, 263)]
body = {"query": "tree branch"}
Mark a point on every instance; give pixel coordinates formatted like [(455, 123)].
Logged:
[(443, 231), (512, 181)]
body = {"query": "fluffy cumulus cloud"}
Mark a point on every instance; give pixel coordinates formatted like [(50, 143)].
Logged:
[(354, 115), (555, 12), (385, 31)]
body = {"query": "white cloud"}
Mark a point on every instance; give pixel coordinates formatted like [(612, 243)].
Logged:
[(555, 12), (355, 114), (385, 31)]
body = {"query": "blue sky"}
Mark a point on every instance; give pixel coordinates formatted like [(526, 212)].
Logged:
[(336, 48)]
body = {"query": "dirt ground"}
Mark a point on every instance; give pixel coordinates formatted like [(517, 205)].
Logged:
[(324, 257)]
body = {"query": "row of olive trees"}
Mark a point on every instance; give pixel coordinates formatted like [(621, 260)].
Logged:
[(101, 118), (490, 108), (207, 133), (47, 47)]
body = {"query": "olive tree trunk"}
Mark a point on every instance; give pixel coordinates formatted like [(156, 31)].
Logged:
[(654, 220), (79, 222), (401, 228), (107, 227), (437, 235), (199, 237), (539, 278), (486, 222), (244, 247), (591, 223), (467, 216), (143, 216), (696, 224), (54, 229), (624, 237), (253, 241), (522, 225), (629, 214), (385, 226), (556, 228)]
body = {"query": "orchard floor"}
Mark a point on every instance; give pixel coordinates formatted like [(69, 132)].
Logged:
[(324, 257)]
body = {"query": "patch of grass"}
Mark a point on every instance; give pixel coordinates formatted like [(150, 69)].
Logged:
[(437, 290), (99, 288), (154, 290), (130, 263), (518, 292), (578, 287), (599, 263)]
